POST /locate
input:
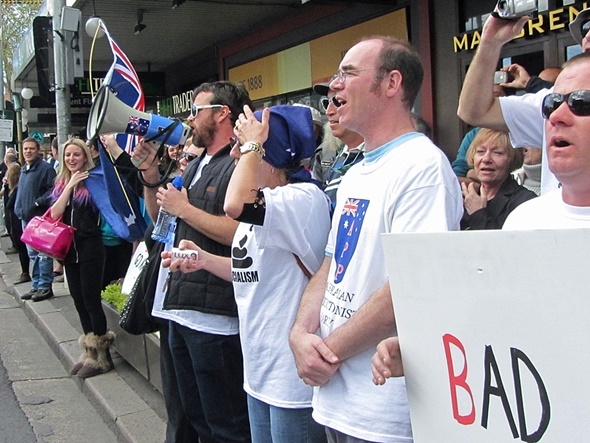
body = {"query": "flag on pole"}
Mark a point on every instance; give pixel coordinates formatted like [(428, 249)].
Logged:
[(115, 200)]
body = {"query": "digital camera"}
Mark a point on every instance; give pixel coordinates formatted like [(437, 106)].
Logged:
[(514, 9), (500, 77)]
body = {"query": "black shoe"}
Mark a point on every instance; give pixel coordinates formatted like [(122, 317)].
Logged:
[(42, 294), (12, 250), (29, 294), (24, 277)]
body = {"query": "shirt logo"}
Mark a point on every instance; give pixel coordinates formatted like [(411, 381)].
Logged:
[(349, 228)]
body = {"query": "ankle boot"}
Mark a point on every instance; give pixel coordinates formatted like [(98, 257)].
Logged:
[(85, 354), (100, 360)]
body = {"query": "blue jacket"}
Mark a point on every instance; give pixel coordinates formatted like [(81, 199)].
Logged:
[(34, 188)]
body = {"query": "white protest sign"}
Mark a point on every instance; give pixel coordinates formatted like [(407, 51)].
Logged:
[(495, 333), (6, 130), (138, 261)]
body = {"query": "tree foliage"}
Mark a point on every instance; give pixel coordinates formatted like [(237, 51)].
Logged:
[(17, 18)]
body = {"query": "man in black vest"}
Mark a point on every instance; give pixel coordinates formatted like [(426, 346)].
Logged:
[(200, 307)]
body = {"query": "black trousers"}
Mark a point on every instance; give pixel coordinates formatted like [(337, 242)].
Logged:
[(85, 284)]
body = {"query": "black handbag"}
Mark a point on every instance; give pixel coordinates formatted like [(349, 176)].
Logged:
[(136, 317)]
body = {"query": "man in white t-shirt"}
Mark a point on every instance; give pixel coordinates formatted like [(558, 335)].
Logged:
[(404, 184), (568, 155), (521, 115)]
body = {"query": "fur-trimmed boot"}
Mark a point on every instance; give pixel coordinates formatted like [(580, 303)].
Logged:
[(100, 360), (85, 354)]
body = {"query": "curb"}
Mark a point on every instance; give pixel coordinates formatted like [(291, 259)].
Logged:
[(124, 411)]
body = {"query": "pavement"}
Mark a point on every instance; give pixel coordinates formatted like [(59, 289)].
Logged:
[(129, 406)]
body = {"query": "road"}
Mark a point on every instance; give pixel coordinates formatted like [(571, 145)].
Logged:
[(39, 401)]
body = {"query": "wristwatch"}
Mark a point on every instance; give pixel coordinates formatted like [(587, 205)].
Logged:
[(252, 147)]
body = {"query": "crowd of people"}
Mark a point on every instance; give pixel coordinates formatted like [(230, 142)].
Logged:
[(283, 327)]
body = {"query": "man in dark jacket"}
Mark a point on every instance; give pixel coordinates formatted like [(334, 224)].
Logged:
[(200, 307), (34, 187)]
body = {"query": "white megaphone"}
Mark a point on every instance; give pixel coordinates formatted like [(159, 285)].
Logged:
[(110, 115)]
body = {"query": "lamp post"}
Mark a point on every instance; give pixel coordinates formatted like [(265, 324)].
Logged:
[(18, 107)]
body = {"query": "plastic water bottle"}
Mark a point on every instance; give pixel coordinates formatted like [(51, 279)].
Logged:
[(166, 223)]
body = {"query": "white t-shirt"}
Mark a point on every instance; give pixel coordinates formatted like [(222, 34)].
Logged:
[(548, 212), (199, 321), (522, 114), (406, 185), (268, 285)]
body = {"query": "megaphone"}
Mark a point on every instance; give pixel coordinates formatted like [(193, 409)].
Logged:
[(109, 115)]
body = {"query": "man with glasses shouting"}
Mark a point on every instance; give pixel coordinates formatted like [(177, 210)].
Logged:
[(404, 184), (351, 153), (200, 307), (566, 114), (520, 115)]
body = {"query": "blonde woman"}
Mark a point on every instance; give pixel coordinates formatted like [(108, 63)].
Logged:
[(84, 263), (488, 203)]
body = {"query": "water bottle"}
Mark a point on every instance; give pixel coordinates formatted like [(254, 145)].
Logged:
[(166, 223)]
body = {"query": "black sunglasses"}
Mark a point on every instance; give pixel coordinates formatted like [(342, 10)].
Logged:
[(325, 102), (585, 28), (188, 156), (577, 101)]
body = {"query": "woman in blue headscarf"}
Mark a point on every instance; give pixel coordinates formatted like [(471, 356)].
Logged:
[(284, 224)]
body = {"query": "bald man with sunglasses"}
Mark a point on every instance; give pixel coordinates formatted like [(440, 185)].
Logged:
[(520, 115), (566, 114)]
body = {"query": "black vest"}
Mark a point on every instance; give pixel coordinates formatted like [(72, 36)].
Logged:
[(201, 290)]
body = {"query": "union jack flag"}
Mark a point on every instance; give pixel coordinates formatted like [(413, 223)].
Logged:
[(116, 202), (125, 82)]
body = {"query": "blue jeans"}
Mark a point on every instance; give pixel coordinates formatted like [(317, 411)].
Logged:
[(42, 275), (280, 425), (209, 373)]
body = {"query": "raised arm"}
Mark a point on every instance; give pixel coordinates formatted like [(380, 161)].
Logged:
[(477, 104)]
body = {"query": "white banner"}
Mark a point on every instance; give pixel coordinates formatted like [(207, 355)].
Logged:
[(6, 130), (495, 333)]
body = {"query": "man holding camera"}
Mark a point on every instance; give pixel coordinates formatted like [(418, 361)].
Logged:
[(520, 115)]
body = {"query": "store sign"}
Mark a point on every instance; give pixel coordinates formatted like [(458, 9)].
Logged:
[(176, 105), (554, 20), (494, 347)]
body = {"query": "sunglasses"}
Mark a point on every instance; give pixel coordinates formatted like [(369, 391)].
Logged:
[(585, 28), (577, 101), (188, 156), (196, 108), (325, 102)]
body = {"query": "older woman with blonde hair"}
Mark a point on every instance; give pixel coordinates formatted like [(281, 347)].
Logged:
[(488, 203), (84, 263)]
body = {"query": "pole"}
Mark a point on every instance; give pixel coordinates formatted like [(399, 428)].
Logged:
[(62, 89), (2, 147)]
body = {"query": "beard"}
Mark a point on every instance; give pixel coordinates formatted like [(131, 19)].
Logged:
[(204, 134)]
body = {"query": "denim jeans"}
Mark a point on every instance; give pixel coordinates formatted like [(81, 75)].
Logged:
[(42, 272), (339, 437), (209, 373), (273, 424)]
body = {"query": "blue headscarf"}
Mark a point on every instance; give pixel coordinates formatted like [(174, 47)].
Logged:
[(290, 140)]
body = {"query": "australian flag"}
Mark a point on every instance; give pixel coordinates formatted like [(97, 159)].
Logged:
[(117, 203), (349, 228)]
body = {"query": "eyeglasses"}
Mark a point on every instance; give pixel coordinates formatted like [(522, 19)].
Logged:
[(341, 75), (325, 102), (577, 101), (188, 156), (196, 108), (585, 28)]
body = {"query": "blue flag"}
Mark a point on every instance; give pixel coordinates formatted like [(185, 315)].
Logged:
[(117, 203)]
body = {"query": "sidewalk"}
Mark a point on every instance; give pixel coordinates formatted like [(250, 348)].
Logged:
[(127, 403)]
